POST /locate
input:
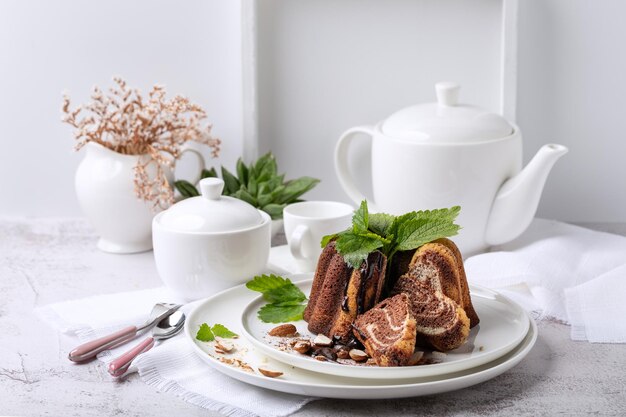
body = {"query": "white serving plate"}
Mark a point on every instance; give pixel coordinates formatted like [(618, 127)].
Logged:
[(503, 325), (226, 308)]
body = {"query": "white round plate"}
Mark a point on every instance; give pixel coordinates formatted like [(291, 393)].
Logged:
[(503, 325), (225, 308)]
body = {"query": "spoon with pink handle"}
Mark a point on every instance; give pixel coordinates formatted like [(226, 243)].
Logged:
[(90, 349), (166, 328)]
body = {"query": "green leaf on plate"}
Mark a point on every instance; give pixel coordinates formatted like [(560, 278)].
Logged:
[(285, 293), (281, 313), (220, 330), (263, 283), (204, 333)]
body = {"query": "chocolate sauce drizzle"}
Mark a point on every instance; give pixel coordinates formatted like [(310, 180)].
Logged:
[(373, 264), (344, 304)]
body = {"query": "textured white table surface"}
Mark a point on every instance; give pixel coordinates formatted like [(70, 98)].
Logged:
[(44, 261)]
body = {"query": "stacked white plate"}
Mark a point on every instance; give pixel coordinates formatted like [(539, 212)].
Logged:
[(503, 338)]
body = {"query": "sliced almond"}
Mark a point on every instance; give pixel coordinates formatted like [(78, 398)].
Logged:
[(358, 355), (224, 345), (321, 340), (302, 346), (415, 358), (284, 330), (343, 353), (320, 358), (269, 373)]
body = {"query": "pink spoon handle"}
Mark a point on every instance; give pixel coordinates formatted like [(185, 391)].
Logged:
[(91, 349), (119, 365)]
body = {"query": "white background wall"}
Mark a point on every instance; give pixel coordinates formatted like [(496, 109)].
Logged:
[(571, 89), (571, 81), (193, 47), (328, 65)]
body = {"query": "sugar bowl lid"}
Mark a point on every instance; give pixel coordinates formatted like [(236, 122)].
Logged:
[(446, 121), (211, 212)]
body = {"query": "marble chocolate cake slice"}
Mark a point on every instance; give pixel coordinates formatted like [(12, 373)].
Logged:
[(388, 331)]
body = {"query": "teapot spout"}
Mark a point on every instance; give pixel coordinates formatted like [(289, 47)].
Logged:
[(516, 202)]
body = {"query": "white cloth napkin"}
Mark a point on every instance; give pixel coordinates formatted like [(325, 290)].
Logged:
[(563, 271), (171, 366)]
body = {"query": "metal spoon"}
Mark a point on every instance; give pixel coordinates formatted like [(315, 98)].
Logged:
[(166, 328), (90, 349)]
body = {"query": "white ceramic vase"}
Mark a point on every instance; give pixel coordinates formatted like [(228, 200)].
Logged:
[(106, 194)]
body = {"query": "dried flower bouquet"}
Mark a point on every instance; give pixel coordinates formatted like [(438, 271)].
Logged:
[(154, 127)]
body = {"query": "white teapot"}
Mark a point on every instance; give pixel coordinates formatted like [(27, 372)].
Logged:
[(444, 154)]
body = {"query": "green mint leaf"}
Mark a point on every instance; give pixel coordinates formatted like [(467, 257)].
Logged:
[(355, 247), (449, 214), (375, 236), (220, 330), (204, 333), (281, 313), (288, 292), (264, 283), (413, 229), (399, 220), (416, 232), (276, 289), (327, 239), (186, 189), (360, 218), (285, 298), (380, 223)]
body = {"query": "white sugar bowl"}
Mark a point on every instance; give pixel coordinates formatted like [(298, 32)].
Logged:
[(205, 244)]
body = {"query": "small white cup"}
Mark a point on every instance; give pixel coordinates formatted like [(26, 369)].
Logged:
[(306, 223)]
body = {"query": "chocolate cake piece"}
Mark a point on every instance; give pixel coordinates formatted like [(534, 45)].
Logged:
[(466, 300), (446, 258), (388, 331), (339, 292), (441, 322)]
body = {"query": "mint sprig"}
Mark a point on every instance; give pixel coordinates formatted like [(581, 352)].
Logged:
[(389, 233), (285, 299), (207, 333), (222, 331)]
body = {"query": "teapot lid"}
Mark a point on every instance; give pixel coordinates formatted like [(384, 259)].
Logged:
[(446, 121), (211, 212)]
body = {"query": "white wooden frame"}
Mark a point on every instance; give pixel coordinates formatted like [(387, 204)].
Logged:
[(508, 70)]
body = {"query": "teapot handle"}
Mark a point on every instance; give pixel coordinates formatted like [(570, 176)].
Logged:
[(341, 163)]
